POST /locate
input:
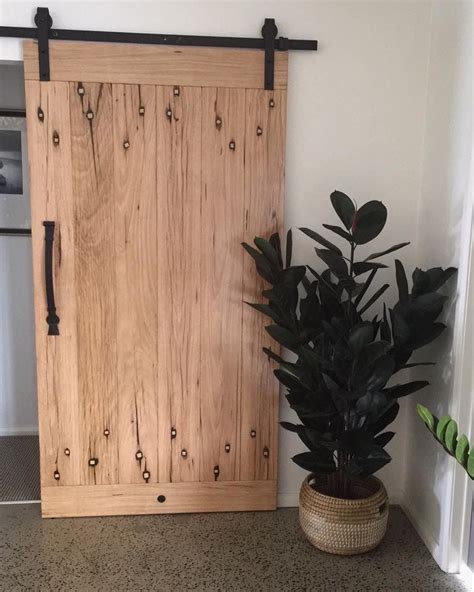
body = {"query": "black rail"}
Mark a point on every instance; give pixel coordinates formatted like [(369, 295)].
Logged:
[(269, 42), (12, 113), (15, 231), (281, 43)]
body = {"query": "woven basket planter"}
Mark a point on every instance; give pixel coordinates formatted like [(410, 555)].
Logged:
[(344, 526)]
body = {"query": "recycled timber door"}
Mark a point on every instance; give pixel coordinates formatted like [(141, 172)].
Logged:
[(149, 166)]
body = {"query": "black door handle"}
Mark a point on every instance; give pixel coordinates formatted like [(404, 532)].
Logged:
[(52, 319)]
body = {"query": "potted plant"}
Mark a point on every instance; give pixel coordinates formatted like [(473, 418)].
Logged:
[(343, 356)]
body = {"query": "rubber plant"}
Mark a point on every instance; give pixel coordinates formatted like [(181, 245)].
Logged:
[(344, 355), (445, 431)]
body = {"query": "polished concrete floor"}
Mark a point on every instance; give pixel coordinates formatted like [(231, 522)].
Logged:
[(216, 552)]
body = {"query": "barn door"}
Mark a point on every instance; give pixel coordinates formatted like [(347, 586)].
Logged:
[(149, 166)]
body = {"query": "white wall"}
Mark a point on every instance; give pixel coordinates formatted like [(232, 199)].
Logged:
[(444, 232), (355, 113)]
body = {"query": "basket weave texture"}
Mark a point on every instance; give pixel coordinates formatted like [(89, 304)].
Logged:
[(344, 526)]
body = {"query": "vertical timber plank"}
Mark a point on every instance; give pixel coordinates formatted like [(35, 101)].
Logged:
[(223, 131), (136, 287), (179, 261), (50, 174), (92, 155), (264, 187)]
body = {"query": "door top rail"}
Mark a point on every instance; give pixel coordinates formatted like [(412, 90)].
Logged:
[(269, 42)]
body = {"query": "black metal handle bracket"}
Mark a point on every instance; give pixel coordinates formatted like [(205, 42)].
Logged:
[(269, 33), (52, 319), (44, 22)]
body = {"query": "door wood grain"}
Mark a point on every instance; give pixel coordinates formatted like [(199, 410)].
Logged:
[(264, 187), (136, 280), (155, 64), (57, 359), (179, 293), (94, 209), (222, 210), (156, 385)]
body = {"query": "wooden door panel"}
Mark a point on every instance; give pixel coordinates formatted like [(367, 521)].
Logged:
[(94, 205), (222, 218), (136, 280), (264, 186), (179, 262), (157, 376)]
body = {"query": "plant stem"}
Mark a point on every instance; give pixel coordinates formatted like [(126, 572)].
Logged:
[(351, 275)]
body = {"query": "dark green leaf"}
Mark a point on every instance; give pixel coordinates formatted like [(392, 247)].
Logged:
[(289, 247), (375, 350), (264, 268), (360, 336), (328, 285), (268, 250), (371, 402), (428, 306), (314, 462), (266, 310), (402, 390), (344, 207), (286, 379), (339, 231), (367, 284), (369, 222), (383, 439), (400, 328), (381, 372), (386, 419), (385, 333), (335, 262), (374, 298), (363, 267), (311, 438), (321, 240), (401, 281), (386, 252), (366, 358), (272, 355), (430, 280), (283, 336), (415, 364), (358, 442), (276, 244), (292, 275), (428, 335), (363, 467)]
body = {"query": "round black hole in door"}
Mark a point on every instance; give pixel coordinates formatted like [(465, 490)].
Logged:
[(161, 498)]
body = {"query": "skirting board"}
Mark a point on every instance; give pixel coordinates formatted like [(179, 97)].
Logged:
[(112, 500), (19, 431)]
